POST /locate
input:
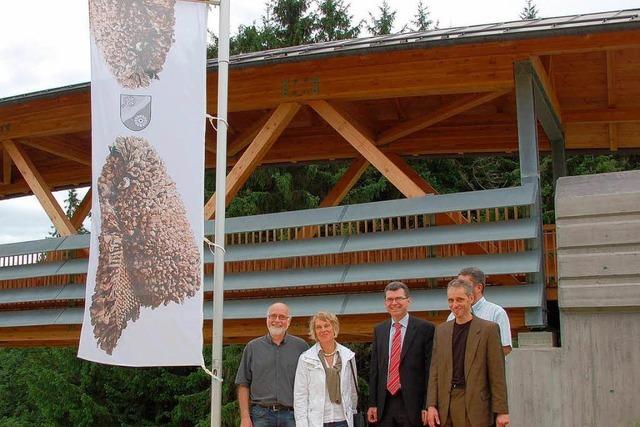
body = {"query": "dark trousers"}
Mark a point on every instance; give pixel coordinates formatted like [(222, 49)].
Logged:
[(395, 413)]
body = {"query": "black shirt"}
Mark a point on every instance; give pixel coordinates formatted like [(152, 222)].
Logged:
[(460, 334)]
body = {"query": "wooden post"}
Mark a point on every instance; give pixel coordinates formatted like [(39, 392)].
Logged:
[(252, 156), (39, 188)]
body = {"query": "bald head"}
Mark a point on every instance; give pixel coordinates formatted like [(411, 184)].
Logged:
[(278, 319)]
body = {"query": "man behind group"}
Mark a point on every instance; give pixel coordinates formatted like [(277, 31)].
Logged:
[(267, 372), (400, 360), (484, 309), (467, 385)]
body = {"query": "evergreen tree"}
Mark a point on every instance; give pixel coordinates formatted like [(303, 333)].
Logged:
[(293, 21), (529, 11), (384, 23), (422, 19), (334, 21)]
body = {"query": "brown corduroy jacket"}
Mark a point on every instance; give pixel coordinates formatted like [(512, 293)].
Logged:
[(485, 383)]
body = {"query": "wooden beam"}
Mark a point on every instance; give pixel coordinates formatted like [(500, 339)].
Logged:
[(82, 211), (610, 115), (366, 147), (611, 79), (39, 188), (252, 156), (346, 182), (60, 146), (613, 137), (6, 167), (611, 98), (246, 136), (444, 112), (236, 331), (547, 85)]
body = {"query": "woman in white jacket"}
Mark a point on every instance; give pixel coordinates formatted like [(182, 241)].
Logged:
[(325, 394)]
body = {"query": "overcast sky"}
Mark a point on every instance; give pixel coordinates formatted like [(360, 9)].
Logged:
[(45, 44)]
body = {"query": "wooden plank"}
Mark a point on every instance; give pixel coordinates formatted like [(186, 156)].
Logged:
[(252, 156), (61, 146), (614, 114), (39, 188), (547, 85), (366, 147), (446, 111), (613, 137), (611, 79), (6, 167), (82, 211), (353, 328)]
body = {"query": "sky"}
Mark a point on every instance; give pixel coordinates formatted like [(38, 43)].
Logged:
[(44, 44)]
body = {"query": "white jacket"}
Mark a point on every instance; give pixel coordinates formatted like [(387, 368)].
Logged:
[(309, 391)]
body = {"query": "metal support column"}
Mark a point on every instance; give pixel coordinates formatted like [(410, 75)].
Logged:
[(530, 173), (221, 176)]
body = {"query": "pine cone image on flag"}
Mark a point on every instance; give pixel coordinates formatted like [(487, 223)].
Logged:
[(148, 254), (134, 37)]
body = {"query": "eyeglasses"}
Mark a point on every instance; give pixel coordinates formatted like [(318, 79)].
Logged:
[(277, 317), (396, 299)]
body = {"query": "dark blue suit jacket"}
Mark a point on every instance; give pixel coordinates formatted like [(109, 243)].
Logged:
[(415, 361)]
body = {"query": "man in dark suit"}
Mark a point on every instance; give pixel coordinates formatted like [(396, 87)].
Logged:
[(400, 360), (467, 385)]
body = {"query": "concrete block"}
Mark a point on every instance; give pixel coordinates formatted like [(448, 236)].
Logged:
[(535, 339), (616, 192), (599, 234)]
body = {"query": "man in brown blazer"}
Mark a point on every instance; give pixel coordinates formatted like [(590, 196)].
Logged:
[(467, 385)]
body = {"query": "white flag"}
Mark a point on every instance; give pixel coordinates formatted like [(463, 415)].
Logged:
[(144, 295)]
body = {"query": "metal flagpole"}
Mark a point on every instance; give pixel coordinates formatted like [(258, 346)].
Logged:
[(221, 176)]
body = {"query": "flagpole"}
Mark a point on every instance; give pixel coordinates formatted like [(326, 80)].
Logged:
[(221, 176)]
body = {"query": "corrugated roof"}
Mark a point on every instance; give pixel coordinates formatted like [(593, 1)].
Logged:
[(512, 30), (572, 24)]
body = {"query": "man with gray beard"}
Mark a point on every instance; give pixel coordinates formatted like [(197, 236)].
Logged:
[(267, 372)]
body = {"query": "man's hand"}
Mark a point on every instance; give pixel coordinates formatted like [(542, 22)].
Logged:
[(424, 417), (246, 422), (433, 419), (372, 415), (502, 420)]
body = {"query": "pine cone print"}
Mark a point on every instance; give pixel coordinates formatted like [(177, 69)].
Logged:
[(148, 254), (134, 37)]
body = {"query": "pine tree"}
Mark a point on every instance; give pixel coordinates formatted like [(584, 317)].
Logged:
[(334, 22), (384, 23), (293, 21), (529, 11), (422, 19)]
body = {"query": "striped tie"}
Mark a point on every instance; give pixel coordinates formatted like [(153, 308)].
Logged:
[(393, 379)]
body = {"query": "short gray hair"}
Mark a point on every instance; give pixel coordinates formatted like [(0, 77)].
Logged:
[(461, 283), (477, 275), (275, 303), (394, 286)]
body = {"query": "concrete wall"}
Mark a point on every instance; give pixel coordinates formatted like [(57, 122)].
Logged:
[(594, 379)]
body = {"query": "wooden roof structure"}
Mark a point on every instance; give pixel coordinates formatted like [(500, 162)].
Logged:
[(439, 92), (373, 101)]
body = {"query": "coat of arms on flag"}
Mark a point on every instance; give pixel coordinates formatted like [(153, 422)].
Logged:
[(135, 111)]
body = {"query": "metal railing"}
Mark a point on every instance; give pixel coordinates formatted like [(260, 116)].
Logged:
[(352, 246)]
